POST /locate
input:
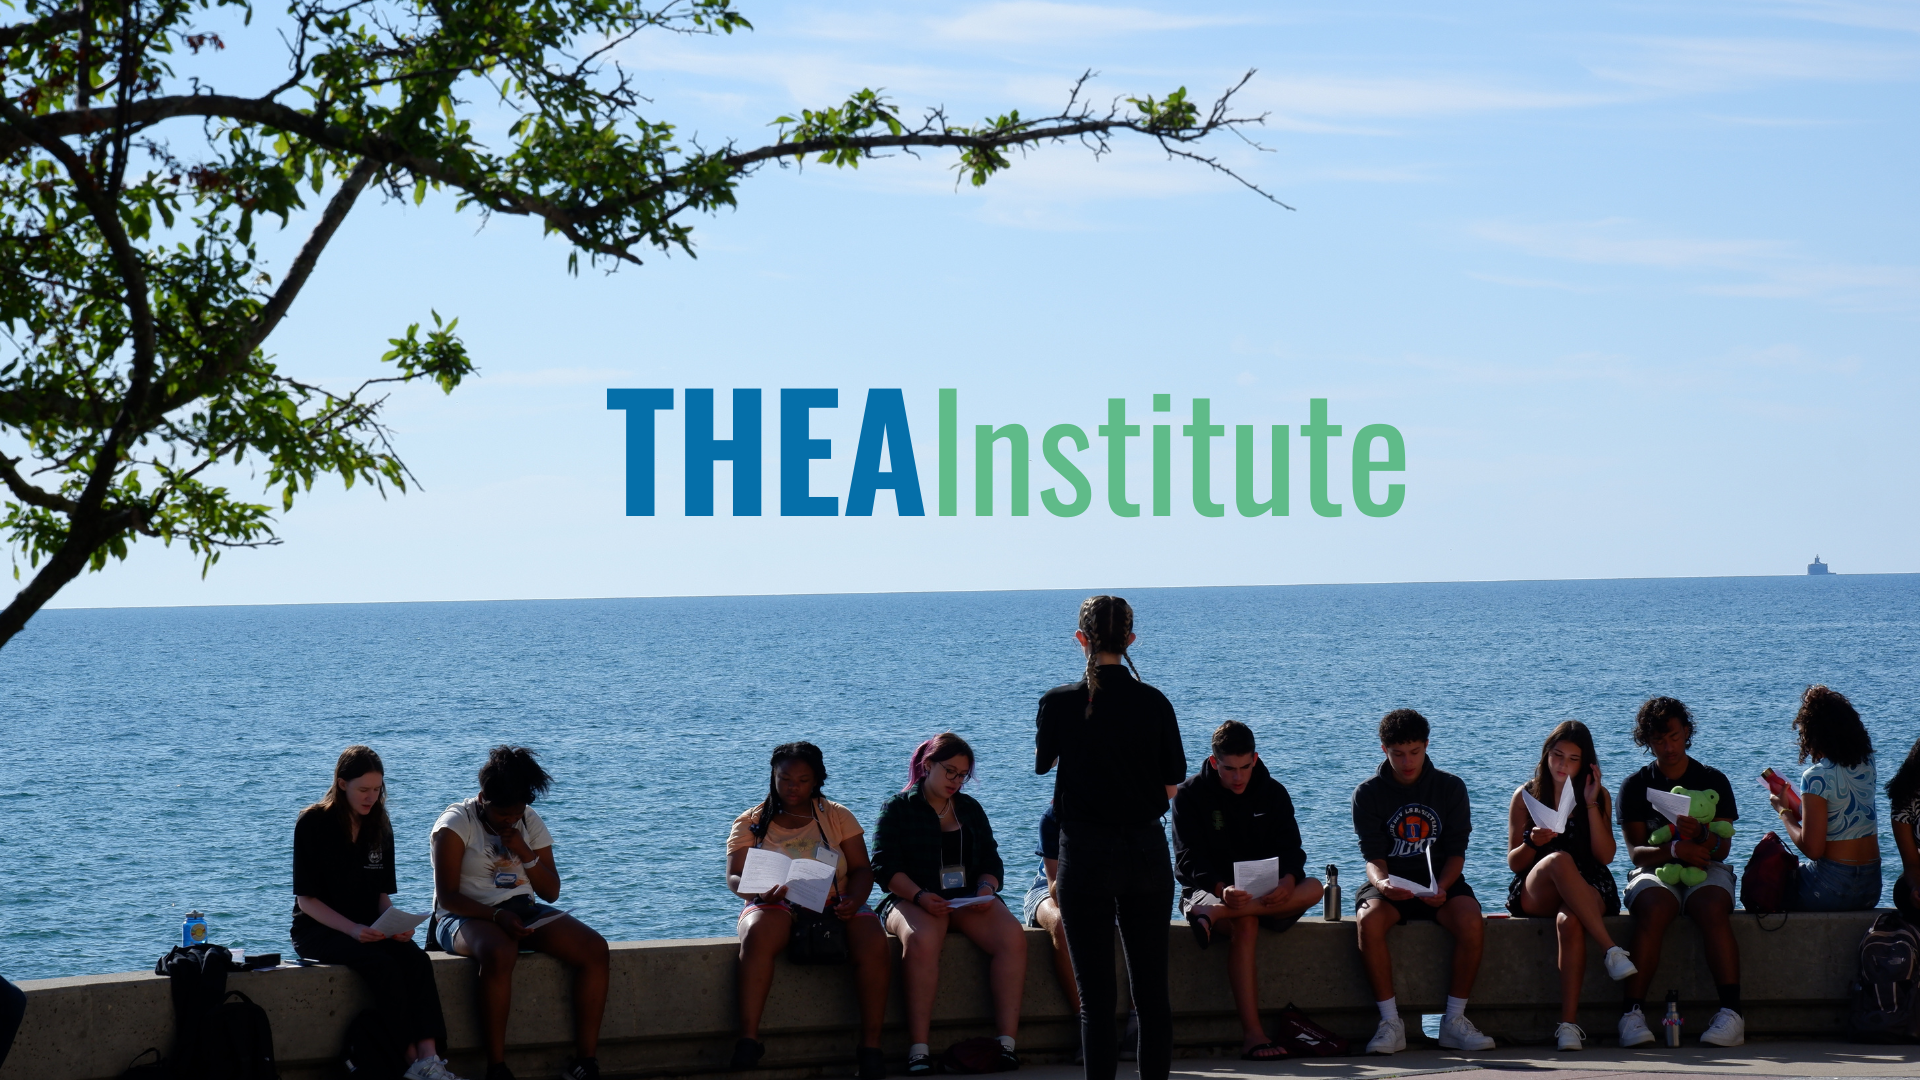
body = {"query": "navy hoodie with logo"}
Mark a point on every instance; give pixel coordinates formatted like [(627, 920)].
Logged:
[(1213, 828), (1397, 822)]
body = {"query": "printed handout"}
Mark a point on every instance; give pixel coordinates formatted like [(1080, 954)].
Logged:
[(1259, 876), (969, 901), (1415, 887), (808, 882), (394, 921), (544, 920), (1554, 820), (1672, 807)]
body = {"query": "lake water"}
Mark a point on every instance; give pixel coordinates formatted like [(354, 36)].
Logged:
[(152, 761)]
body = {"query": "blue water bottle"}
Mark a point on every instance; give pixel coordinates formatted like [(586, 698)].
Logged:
[(194, 930)]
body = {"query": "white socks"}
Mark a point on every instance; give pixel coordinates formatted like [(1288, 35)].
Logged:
[(918, 1050), (1007, 1041), (1456, 1006), (1389, 1009)]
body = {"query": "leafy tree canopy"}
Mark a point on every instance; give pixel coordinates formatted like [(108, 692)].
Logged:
[(135, 307)]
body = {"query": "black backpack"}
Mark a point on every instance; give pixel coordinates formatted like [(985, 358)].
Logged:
[(218, 1034), (373, 1051), (1882, 1009)]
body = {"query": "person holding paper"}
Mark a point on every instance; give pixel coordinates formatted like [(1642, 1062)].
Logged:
[(1234, 812), (1406, 815), (492, 866), (343, 881), (1117, 746), (1836, 825), (801, 825), (1665, 728), (1559, 842), (935, 855)]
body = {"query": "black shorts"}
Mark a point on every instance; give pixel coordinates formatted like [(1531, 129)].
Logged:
[(1410, 910), (1276, 923)]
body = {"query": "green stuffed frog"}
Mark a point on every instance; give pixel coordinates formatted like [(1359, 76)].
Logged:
[(1701, 807)]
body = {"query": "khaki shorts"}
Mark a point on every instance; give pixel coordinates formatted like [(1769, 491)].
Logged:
[(1719, 876)]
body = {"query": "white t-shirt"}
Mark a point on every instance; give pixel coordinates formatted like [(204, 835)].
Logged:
[(489, 872)]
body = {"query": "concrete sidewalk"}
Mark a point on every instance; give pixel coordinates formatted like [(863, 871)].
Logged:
[(1756, 1059)]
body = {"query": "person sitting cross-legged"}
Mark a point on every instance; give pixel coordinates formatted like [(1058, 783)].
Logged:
[(1233, 810)]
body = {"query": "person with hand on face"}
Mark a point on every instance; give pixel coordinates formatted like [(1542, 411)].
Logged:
[(1563, 875), (1836, 825), (1903, 792), (1665, 727), (933, 845), (492, 868), (1233, 810), (1406, 815), (343, 881), (798, 822)]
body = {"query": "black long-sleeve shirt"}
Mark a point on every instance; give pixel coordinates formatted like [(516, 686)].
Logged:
[(1213, 828), (1397, 822), (1116, 765)]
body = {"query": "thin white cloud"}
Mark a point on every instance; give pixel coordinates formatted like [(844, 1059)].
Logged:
[(1707, 65), (1036, 21), (1393, 96), (1883, 16)]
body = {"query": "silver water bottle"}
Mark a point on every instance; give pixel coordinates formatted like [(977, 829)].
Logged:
[(1333, 893)]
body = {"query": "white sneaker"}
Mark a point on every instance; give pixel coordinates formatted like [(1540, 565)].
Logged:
[(1571, 1036), (1727, 1029), (1619, 964), (1633, 1029), (430, 1068), (1458, 1033), (1389, 1038)]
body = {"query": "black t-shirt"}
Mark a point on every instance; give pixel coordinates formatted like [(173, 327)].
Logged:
[(1634, 805), (1115, 766), (346, 876)]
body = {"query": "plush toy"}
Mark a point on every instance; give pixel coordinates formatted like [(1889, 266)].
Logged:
[(1701, 807)]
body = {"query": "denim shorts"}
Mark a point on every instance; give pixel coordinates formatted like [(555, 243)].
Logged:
[(1037, 893), (447, 927), (1641, 879), (1830, 886)]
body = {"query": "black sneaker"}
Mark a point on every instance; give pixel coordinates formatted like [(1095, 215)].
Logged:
[(920, 1065), (583, 1069), (499, 1071), (873, 1063), (746, 1055)]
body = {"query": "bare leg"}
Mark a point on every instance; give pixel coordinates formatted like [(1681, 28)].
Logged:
[(1653, 911), (497, 954), (872, 971), (922, 936), (1048, 916), (581, 948), (1573, 963), (1462, 918), (1375, 918), (1555, 883), (763, 933), (994, 929), (1712, 911), (1243, 926)]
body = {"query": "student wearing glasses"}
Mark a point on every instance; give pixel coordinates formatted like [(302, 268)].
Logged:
[(493, 879), (933, 846)]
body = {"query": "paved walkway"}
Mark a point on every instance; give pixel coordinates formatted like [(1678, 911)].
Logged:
[(1756, 1059)]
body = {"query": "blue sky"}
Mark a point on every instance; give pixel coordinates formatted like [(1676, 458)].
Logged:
[(1637, 282)]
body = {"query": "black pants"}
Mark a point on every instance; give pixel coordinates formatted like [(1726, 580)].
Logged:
[(1123, 875), (398, 973), (1903, 900), (13, 1006)]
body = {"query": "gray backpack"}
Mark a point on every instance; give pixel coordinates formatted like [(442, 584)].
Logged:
[(1883, 1008)]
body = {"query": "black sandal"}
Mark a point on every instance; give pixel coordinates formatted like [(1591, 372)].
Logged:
[(1202, 928), (746, 1054), (1009, 1061), (1257, 1053), (872, 1063), (920, 1065)]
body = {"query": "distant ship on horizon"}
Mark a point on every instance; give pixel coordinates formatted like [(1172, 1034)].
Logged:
[(1816, 567)]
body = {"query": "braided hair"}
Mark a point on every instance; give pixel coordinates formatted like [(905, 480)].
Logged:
[(1106, 620), (804, 752)]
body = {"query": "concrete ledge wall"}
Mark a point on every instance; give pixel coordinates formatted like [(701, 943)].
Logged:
[(671, 1010)]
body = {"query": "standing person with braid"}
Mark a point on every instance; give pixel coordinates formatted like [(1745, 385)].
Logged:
[(1117, 744)]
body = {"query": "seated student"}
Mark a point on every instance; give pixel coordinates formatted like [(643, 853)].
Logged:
[(342, 882), (1665, 727), (13, 1007), (1233, 810), (1563, 875), (1836, 826), (1407, 814), (933, 845), (492, 855), (795, 820), (1903, 794)]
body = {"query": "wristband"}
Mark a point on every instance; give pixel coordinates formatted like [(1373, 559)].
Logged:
[(535, 861), (917, 896), (496, 915)]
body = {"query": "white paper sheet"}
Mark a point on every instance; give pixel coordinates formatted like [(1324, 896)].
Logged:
[(968, 901), (538, 923), (808, 883), (764, 870), (1259, 877), (394, 921), (1672, 807), (1555, 819), (1415, 887)]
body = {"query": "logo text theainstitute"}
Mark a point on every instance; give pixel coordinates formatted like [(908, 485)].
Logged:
[(884, 436)]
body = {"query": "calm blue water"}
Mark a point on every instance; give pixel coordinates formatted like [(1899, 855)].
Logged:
[(154, 759)]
